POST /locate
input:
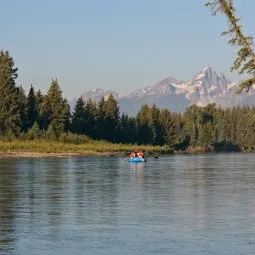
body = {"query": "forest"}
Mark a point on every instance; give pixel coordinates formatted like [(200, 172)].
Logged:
[(36, 116)]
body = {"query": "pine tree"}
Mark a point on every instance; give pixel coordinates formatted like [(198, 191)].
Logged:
[(245, 59), (191, 116), (168, 127), (21, 99), (90, 117), (100, 120), (111, 118), (9, 94), (206, 134), (34, 132), (144, 135), (132, 130), (156, 130), (31, 109), (66, 113), (123, 130), (39, 108), (78, 117), (55, 110)]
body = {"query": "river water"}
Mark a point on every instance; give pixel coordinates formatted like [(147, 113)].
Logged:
[(180, 204)]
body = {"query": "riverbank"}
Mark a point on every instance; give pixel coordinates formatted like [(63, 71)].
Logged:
[(44, 148), (218, 148)]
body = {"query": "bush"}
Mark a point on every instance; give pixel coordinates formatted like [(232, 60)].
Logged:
[(34, 132), (73, 138), (8, 136)]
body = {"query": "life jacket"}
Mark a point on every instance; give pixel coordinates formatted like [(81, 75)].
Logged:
[(132, 154)]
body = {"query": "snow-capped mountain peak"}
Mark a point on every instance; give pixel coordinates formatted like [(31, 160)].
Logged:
[(97, 94), (205, 87)]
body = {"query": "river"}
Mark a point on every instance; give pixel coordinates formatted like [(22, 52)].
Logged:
[(181, 204)]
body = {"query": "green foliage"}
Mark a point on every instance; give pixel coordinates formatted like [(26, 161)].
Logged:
[(32, 112), (154, 125), (90, 118), (111, 118), (55, 110), (9, 96), (191, 116), (245, 57), (78, 116), (127, 129), (144, 132), (21, 100), (73, 138), (39, 107), (51, 133), (34, 132), (100, 123)]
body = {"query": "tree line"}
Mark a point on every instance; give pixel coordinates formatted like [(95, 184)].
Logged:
[(38, 116)]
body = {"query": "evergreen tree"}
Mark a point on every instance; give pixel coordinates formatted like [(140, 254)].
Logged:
[(9, 94), (245, 59), (206, 134), (153, 123), (125, 129), (182, 139), (66, 113), (31, 109), (21, 99), (143, 130), (111, 118), (39, 107), (78, 117), (191, 116), (90, 118), (132, 130), (168, 127), (55, 110), (34, 132), (100, 120)]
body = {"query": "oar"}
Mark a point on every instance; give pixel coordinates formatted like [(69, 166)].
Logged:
[(124, 158)]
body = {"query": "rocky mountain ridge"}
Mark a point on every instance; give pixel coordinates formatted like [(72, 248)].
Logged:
[(205, 87)]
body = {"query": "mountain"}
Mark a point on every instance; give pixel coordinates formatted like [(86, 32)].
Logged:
[(205, 87), (97, 94)]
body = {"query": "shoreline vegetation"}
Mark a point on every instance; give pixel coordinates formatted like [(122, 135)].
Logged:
[(45, 148)]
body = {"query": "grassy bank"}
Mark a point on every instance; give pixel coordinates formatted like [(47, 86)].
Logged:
[(54, 148)]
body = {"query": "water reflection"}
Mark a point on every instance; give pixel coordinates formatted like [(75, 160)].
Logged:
[(136, 169), (7, 200), (184, 204)]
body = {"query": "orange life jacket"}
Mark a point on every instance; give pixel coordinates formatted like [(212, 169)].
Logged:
[(140, 154), (132, 154)]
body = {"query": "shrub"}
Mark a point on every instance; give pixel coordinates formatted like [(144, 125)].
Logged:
[(34, 132), (73, 138)]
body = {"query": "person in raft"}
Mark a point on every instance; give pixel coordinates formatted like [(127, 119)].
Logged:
[(132, 154), (140, 154), (135, 154)]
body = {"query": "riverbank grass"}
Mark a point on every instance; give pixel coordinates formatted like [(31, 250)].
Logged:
[(88, 148)]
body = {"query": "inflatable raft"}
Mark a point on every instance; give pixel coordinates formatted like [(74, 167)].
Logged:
[(136, 159)]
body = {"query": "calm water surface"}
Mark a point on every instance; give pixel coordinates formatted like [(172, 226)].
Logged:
[(182, 204)]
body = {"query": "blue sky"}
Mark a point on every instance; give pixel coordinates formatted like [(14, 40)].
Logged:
[(115, 44)]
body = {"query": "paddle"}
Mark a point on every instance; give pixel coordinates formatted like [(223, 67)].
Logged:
[(124, 159)]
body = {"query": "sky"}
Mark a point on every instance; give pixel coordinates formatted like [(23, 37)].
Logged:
[(120, 45)]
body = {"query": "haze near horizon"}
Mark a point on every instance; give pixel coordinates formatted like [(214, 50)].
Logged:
[(115, 45)]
